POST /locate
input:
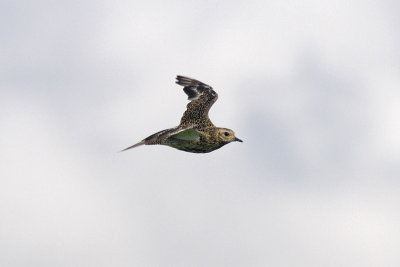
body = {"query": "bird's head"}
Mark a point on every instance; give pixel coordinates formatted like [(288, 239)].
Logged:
[(227, 135)]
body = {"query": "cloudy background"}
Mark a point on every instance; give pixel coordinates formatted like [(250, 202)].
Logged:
[(312, 87)]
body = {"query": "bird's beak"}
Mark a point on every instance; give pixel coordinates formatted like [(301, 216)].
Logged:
[(237, 139)]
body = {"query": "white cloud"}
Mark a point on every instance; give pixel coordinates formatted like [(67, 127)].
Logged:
[(311, 88)]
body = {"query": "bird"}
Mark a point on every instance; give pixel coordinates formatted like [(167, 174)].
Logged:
[(195, 133)]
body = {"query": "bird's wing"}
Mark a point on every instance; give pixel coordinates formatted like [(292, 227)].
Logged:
[(189, 134), (177, 133), (201, 97)]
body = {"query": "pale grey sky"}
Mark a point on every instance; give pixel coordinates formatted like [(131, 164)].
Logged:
[(312, 87)]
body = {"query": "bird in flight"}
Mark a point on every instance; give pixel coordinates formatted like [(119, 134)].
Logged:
[(195, 133)]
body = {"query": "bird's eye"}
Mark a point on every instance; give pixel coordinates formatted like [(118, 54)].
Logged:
[(226, 133)]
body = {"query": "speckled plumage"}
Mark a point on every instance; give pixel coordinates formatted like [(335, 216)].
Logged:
[(195, 133)]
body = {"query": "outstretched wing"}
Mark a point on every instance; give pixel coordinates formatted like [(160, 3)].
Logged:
[(202, 97), (158, 138)]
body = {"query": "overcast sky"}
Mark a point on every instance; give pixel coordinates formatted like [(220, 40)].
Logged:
[(312, 88)]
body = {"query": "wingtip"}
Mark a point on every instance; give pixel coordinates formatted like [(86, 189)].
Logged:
[(183, 80), (133, 146), (178, 77)]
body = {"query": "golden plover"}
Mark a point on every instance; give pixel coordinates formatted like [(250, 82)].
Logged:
[(196, 133)]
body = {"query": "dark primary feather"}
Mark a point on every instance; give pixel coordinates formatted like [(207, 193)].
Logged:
[(193, 88), (202, 97)]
